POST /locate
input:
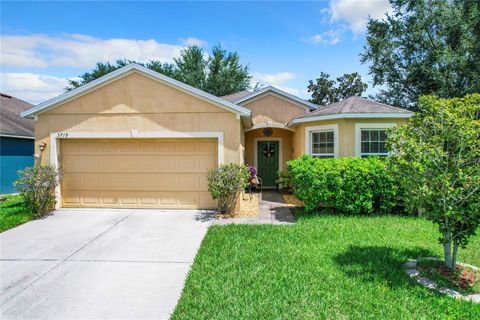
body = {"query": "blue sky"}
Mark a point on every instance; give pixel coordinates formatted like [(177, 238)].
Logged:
[(284, 43)]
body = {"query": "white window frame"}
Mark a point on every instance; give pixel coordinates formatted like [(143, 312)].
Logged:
[(369, 126), (327, 127)]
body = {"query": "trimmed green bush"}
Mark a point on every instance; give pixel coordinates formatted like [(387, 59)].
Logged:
[(350, 185), (225, 183)]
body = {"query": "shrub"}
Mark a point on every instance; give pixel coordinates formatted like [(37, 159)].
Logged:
[(284, 178), (225, 183), (350, 185), (37, 187)]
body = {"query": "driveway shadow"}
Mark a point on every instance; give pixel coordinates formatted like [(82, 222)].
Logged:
[(379, 263), (282, 215), (205, 215)]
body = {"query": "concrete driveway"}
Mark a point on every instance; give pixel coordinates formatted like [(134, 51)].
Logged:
[(98, 264)]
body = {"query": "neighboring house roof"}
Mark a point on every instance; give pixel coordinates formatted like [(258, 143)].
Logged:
[(130, 68), (235, 96), (252, 95), (11, 123), (353, 107)]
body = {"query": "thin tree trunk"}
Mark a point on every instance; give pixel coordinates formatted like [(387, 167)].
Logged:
[(447, 251), (454, 255)]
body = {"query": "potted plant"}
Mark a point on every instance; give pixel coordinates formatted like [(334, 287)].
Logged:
[(253, 175)]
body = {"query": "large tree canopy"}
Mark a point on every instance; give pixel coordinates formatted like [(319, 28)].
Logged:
[(219, 73), (325, 91), (425, 47)]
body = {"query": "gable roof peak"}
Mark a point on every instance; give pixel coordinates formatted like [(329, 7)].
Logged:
[(304, 103), (123, 71)]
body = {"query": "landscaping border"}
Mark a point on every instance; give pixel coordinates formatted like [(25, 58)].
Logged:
[(411, 270)]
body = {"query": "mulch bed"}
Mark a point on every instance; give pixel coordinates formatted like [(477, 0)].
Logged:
[(463, 278)]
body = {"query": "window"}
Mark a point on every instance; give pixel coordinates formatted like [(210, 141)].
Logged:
[(322, 141), (373, 142), (322, 144)]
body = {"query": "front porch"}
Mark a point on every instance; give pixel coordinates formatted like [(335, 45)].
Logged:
[(268, 150)]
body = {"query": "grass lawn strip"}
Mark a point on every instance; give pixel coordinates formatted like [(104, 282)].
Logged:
[(13, 212), (323, 267)]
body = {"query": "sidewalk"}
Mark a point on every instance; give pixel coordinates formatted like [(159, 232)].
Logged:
[(273, 210)]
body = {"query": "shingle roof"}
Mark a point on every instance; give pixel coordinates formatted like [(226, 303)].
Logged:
[(237, 95), (245, 95), (354, 105), (11, 122)]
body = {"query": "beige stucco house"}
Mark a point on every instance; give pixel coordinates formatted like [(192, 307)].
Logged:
[(138, 139)]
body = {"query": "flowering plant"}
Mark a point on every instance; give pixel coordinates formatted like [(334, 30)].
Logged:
[(253, 172)]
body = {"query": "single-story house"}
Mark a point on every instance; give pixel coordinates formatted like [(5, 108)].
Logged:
[(16, 141), (138, 139)]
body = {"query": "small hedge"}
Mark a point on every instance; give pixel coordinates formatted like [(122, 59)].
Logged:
[(350, 185)]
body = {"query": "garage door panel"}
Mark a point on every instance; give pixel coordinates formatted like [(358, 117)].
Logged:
[(134, 173), (124, 199), (138, 163), (137, 182), (207, 148)]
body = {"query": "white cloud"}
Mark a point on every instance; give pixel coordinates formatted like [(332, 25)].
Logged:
[(31, 87), (356, 12), (77, 50), (331, 37), (274, 79), (189, 42), (277, 80)]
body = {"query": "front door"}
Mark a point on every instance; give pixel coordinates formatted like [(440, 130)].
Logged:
[(268, 153)]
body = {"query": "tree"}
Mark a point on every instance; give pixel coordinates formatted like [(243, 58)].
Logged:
[(437, 159), (225, 73), (325, 91), (219, 74), (425, 47)]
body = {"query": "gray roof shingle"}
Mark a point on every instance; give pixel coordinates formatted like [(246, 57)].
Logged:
[(235, 96), (354, 105), (11, 123)]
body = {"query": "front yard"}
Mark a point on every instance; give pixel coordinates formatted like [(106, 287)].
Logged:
[(13, 212), (325, 266)]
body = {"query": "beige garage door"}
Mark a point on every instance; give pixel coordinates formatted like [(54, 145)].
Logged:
[(137, 173)]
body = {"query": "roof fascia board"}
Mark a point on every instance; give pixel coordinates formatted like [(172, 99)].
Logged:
[(6, 135), (352, 116), (122, 72)]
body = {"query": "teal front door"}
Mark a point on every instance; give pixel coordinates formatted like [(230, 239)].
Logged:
[(268, 153)]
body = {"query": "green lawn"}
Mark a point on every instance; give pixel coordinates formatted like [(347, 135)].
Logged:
[(13, 212), (324, 267)]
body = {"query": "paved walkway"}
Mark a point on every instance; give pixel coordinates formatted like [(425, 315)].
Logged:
[(273, 210)]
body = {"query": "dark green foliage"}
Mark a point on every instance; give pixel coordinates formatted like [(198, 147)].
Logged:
[(325, 91), (225, 73), (225, 183), (437, 161), (37, 187), (219, 74), (350, 185), (425, 47)]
